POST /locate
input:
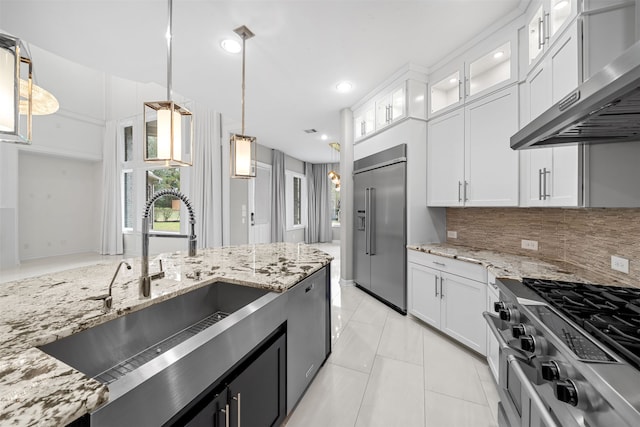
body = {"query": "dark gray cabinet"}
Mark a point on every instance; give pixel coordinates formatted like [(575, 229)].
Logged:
[(253, 394), (308, 332)]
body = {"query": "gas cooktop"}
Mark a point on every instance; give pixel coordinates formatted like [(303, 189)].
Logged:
[(610, 313)]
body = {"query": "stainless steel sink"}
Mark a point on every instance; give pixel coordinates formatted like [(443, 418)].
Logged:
[(184, 343)]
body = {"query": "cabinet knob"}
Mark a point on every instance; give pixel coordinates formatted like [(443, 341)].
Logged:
[(550, 371)]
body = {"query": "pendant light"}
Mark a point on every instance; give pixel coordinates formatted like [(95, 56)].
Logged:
[(15, 67), (243, 147), (333, 175), (168, 127)]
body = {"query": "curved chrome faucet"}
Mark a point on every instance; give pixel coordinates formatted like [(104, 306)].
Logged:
[(108, 300), (145, 278)]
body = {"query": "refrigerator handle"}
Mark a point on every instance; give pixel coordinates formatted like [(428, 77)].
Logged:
[(372, 220), (366, 220)]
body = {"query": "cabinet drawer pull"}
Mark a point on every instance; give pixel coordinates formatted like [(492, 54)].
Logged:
[(441, 264), (310, 287), (237, 398), (225, 411)]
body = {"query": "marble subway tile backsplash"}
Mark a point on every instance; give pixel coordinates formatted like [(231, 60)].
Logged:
[(583, 238)]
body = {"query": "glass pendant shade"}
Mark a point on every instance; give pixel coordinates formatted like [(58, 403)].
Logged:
[(243, 156), (16, 91), (168, 134)]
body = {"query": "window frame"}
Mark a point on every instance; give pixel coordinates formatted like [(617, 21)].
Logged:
[(289, 206)]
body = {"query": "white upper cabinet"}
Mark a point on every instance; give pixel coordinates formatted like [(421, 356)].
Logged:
[(469, 160), (403, 100), (547, 20), (486, 68)]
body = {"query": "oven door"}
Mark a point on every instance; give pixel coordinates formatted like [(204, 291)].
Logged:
[(520, 404)]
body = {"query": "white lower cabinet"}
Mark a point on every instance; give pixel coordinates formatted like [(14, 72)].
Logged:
[(493, 295), (450, 302)]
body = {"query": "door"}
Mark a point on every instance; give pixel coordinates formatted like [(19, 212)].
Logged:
[(425, 293), (491, 166), (214, 414), (257, 396), (462, 306), (361, 260), (387, 245), (260, 205), (445, 160)]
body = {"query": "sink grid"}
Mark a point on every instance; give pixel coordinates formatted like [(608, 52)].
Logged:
[(150, 353)]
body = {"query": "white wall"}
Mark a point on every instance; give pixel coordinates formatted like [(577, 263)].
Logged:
[(58, 205), (424, 225)]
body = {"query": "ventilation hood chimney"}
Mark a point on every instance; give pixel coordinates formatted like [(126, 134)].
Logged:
[(605, 108)]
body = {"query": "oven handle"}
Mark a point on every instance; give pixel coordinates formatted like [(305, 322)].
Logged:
[(545, 415), (504, 345)]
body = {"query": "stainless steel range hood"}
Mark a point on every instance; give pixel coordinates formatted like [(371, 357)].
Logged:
[(605, 108)]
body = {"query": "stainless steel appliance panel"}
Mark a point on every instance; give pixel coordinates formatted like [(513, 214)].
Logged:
[(387, 247), (361, 259), (380, 226)]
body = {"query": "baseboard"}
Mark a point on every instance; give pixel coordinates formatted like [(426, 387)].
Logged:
[(345, 282)]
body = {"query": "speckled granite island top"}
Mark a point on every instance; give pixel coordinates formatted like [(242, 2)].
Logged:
[(37, 389), (509, 266)]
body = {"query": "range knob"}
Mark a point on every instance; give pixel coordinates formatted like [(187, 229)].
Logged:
[(550, 371), (528, 343), (521, 329), (510, 315), (499, 306), (566, 392)]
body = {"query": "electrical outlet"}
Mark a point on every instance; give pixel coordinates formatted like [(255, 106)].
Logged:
[(620, 264), (452, 234), (532, 245)]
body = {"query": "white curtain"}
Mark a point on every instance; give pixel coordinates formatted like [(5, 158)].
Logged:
[(206, 178), (311, 232), (319, 195), (111, 242), (278, 212)]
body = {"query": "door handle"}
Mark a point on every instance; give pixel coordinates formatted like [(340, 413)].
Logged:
[(465, 191), (372, 221), (539, 184), (547, 28), (225, 411), (441, 293), (540, 40), (459, 191), (545, 194), (253, 222), (435, 283)]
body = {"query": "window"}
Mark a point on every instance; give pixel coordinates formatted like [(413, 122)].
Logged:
[(128, 143), (127, 204), (296, 200), (166, 210), (335, 203)]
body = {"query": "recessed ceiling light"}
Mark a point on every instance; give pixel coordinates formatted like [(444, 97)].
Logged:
[(231, 46), (453, 80), (499, 54), (343, 87), (324, 137)]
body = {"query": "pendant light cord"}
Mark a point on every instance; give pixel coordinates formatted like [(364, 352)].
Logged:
[(244, 39), (169, 36)]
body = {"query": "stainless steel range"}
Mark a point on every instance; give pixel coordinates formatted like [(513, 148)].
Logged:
[(569, 354)]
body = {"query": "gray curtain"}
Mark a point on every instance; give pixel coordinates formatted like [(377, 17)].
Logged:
[(319, 226), (278, 213), (311, 232), (206, 183)]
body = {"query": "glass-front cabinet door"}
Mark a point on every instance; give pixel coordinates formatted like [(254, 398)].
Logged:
[(536, 33), (490, 69), (446, 92), (560, 11)]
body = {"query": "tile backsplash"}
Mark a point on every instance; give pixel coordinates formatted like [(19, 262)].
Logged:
[(584, 238)]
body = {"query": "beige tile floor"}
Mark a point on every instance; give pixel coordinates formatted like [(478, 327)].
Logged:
[(392, 370)]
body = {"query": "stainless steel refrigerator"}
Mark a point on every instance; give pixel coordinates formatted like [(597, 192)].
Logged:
[(380, 231)]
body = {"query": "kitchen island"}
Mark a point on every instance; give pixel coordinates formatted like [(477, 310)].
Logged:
[(38, 389)]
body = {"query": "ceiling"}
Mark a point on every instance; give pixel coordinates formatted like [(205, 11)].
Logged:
[(301, 50)]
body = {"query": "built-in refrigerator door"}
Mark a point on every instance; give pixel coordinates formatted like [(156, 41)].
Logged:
[(387, 246), (361, 259)]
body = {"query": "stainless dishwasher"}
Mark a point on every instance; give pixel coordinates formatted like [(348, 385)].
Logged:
[(307, 328)]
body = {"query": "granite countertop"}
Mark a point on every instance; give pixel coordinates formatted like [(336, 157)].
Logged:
[(510, 266), (37, 389)]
